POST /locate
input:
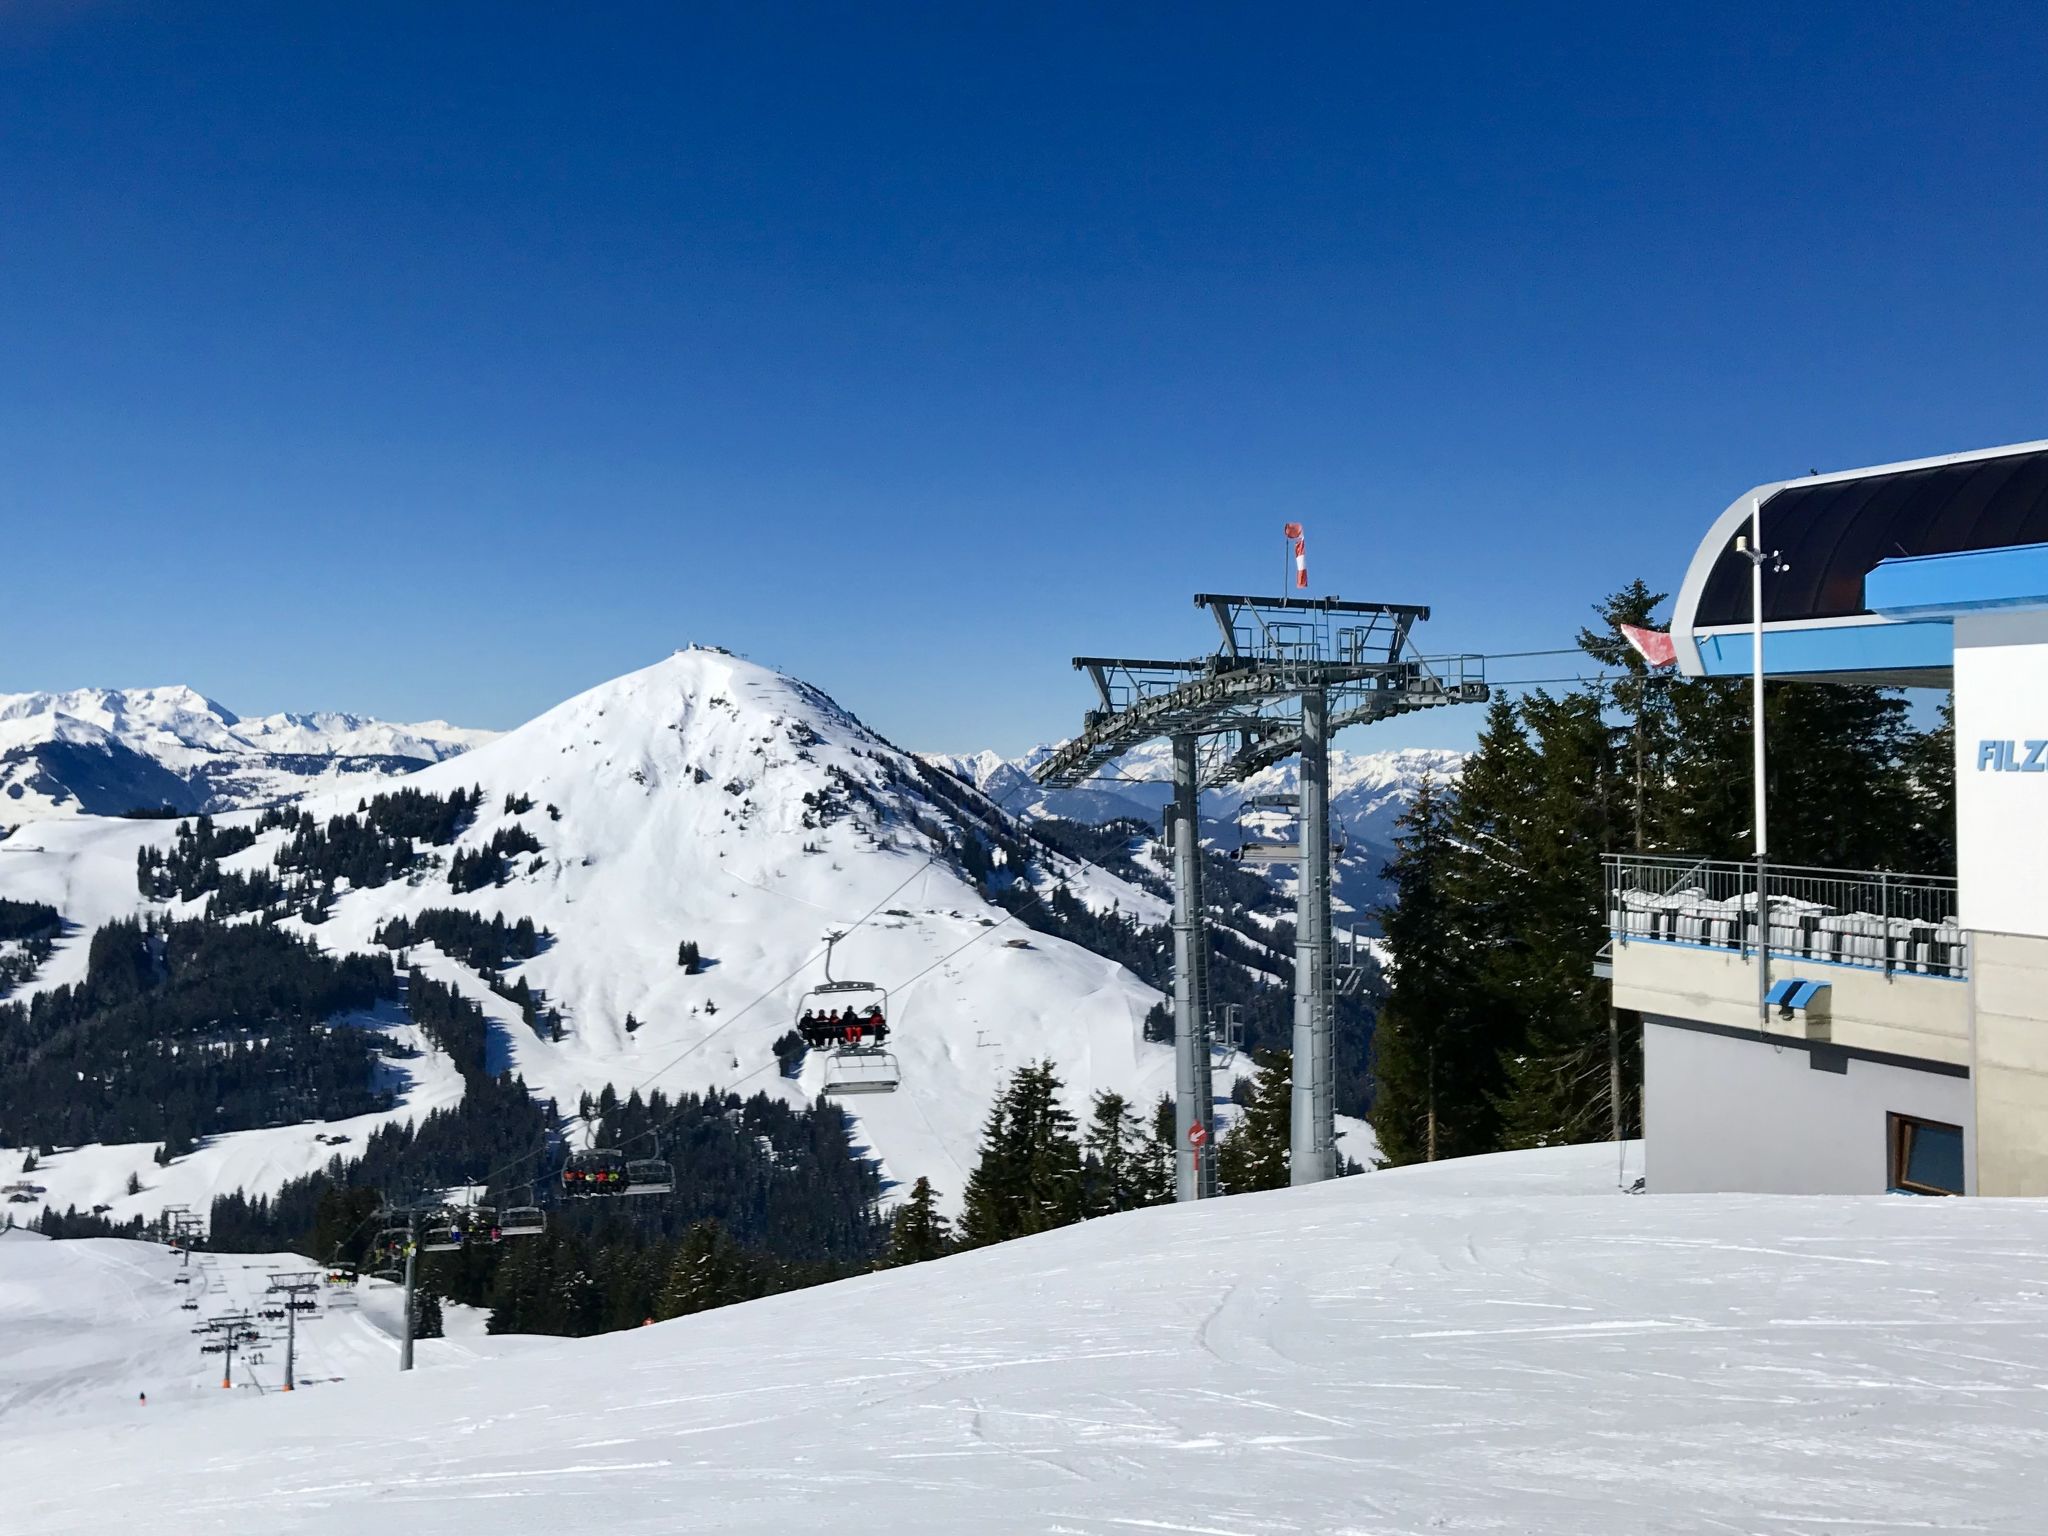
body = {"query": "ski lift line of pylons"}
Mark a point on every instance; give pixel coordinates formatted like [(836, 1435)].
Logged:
[(1035, 897)]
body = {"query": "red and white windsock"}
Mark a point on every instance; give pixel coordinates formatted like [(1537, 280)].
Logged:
[(1292, 532), (1653, 645)]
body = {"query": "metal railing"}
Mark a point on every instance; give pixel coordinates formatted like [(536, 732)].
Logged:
[(1869, 919)]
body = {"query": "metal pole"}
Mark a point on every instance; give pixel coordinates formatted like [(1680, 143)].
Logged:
[(412, 1248), (291, 1337), (1756, 689), (1190, 1008), (1312, 1131)]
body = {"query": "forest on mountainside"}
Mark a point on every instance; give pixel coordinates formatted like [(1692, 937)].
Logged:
[(183, 1029)]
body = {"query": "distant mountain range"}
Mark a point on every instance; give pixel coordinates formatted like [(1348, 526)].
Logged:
[(112, 751), (1368, 793)]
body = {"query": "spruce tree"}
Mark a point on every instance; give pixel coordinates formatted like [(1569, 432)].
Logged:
[(1557, 1079), (1028, 1176), (1114, 1176), (919, 1230), (1928, 846), (1254, 1155), (426, 1311), (1425, 1017), (1642, 698), (1156, 1154), (709, 1271)]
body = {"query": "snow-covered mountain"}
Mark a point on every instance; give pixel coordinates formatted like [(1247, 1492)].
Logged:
[(1368, 793), (105, 751), (702, 799)]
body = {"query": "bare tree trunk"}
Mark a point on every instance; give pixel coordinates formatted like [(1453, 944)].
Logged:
[(1432, 1104), (1614, 1070)]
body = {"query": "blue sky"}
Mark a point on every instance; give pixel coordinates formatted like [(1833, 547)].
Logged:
[(445, 360)]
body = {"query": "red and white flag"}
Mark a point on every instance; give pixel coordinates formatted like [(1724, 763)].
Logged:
[(1653, 645), (1293, 532)]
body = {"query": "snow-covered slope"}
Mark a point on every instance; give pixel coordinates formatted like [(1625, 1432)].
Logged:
[(89, 1328), (1494, 1345), (708, 799), (1368, 793), (103, 751)]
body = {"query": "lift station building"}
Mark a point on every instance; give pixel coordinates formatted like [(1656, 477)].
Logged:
[(1899, 1041)]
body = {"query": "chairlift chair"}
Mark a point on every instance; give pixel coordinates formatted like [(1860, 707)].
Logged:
[(596, 1171), (522, 1221), (851, 1019), (459, 1227), (850, 1071), (649, 1176), (839, 1014), (1262, 848)]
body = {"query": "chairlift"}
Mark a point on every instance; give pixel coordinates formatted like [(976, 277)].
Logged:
[(522, 1221), (850, 1071), (458, 1227), (597, 1171), (608, 1171), (649, 1176), (1260, 845), (851, 1019)]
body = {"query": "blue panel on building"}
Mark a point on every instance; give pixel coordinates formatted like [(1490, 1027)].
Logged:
[(1976, 582), (1874, 647)]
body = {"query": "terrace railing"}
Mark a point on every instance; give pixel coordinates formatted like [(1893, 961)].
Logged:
[(1869, 919)]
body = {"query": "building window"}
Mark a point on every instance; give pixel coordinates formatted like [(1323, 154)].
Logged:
[(1926, 1156)]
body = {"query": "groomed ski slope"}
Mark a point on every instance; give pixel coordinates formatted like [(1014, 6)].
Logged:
[(89, 1326), (1499, 1345)]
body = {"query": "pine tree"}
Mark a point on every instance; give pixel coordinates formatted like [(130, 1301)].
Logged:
[(919, 1230), (1643, 698), (1028, 1177), (1557, 1080), (1929, 843), (1113, 1173), (426, 1311), (1255, 1154), (709, 1271), (1425, 1018), (1156, 1155)]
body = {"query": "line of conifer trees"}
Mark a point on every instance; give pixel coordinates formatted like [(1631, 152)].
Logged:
[(1494, 1033)]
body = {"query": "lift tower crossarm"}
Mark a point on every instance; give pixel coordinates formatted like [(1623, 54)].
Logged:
[(1099, 669)]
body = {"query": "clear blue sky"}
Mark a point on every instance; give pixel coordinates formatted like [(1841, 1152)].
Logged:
[(447, 359)]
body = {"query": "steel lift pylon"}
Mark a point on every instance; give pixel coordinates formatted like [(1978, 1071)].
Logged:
[(1288, 674)]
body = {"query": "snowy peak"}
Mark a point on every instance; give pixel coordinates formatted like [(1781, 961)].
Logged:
[(106, 751)]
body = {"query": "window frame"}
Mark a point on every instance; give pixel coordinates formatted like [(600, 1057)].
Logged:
[(1899, 1131)]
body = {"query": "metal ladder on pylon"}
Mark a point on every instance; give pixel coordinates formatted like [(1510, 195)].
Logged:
[(1323, 1015)]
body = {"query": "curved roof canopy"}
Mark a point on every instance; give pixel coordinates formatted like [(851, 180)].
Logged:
[(1830, 531)]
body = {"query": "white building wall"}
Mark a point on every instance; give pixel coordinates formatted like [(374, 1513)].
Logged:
[(2002, 771), (1722, 1113)]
